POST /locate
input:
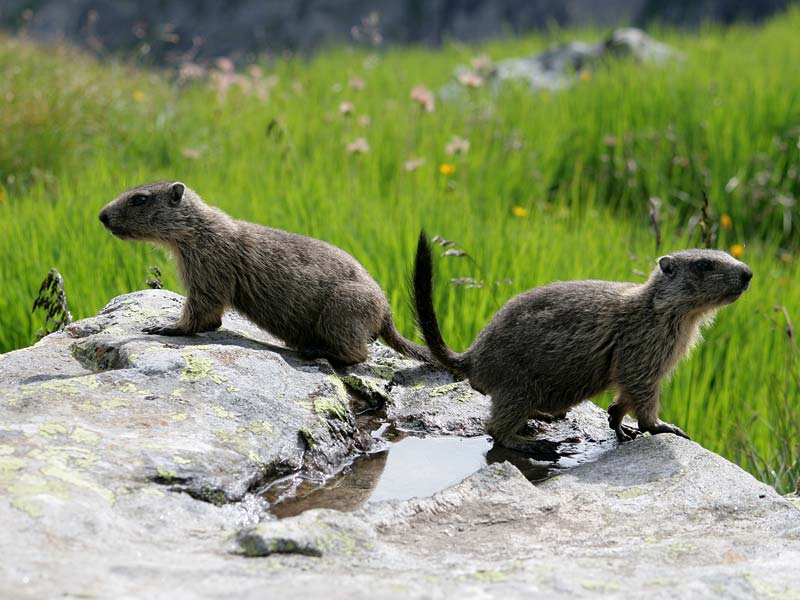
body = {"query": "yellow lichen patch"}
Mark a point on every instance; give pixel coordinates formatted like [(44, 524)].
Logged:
[(61, 386), (24, 488), (232, 389), (679, 550), (137, 314), (442, 390), (52, 430), (259, 427), (152, 491), (5, 449), (166, 474), (181, 461), (8, 464), (84, 436), (600, 587), (89, 381), (129, 388), (338, 384), (178, 417), (631, 492), (75, 478), (330, 406), (104, 404), (223, 413), (63, 455), (177, 392), (235, 438), (489, 576), (28, 505), (198, 368), (255, 458)]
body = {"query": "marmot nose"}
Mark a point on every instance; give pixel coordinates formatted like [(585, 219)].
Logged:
[(104, 217), (747, 275)]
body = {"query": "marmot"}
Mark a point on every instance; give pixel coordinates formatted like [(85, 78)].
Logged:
[(551, 347), (314, 296)]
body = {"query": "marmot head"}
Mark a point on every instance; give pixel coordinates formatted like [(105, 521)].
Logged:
[(700, 279), (160, 211)]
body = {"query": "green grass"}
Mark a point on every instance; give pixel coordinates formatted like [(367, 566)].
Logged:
[(583, 163)]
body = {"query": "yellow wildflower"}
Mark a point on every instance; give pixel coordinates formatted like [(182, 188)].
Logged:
[(446, 169), (138, 96), (726, 222), (519, 211), (737, 250), (585, 75), (2, 195)]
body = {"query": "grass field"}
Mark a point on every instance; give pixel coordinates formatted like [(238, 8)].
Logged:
[(553, 186)]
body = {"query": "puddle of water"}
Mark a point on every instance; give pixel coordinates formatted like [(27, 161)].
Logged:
[(411, 467), (419, 467)]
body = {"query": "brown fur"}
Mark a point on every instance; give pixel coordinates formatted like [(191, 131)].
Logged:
[(551, 347), (312, 295)]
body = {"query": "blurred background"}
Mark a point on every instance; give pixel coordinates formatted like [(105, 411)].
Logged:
[(546, 140), (210, 29)]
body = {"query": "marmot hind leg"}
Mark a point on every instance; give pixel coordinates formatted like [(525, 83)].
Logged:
[(350, 321), (616, 413), (509, 417)]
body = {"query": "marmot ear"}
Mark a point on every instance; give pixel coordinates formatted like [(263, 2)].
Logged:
[(176, 193), (667, 265)]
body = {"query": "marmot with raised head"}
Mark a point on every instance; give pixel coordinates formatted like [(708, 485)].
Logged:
[(312, 295), (551, 347)]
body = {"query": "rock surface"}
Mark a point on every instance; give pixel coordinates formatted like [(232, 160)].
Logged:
[(131, 465)]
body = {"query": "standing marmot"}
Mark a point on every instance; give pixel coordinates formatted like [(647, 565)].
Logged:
[(314, 296), (551, 347)]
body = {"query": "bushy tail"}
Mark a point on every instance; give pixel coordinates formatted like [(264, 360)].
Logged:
[(395, 340), (426, 314)]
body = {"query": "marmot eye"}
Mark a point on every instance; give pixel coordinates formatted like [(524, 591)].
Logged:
[(703, 265), (138, 200)]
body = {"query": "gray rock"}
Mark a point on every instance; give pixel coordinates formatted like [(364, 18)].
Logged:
[(558, 67), (129, 466), (660, 517)]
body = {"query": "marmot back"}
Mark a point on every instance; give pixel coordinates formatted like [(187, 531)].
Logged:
[(554, 346), (311, 294)]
